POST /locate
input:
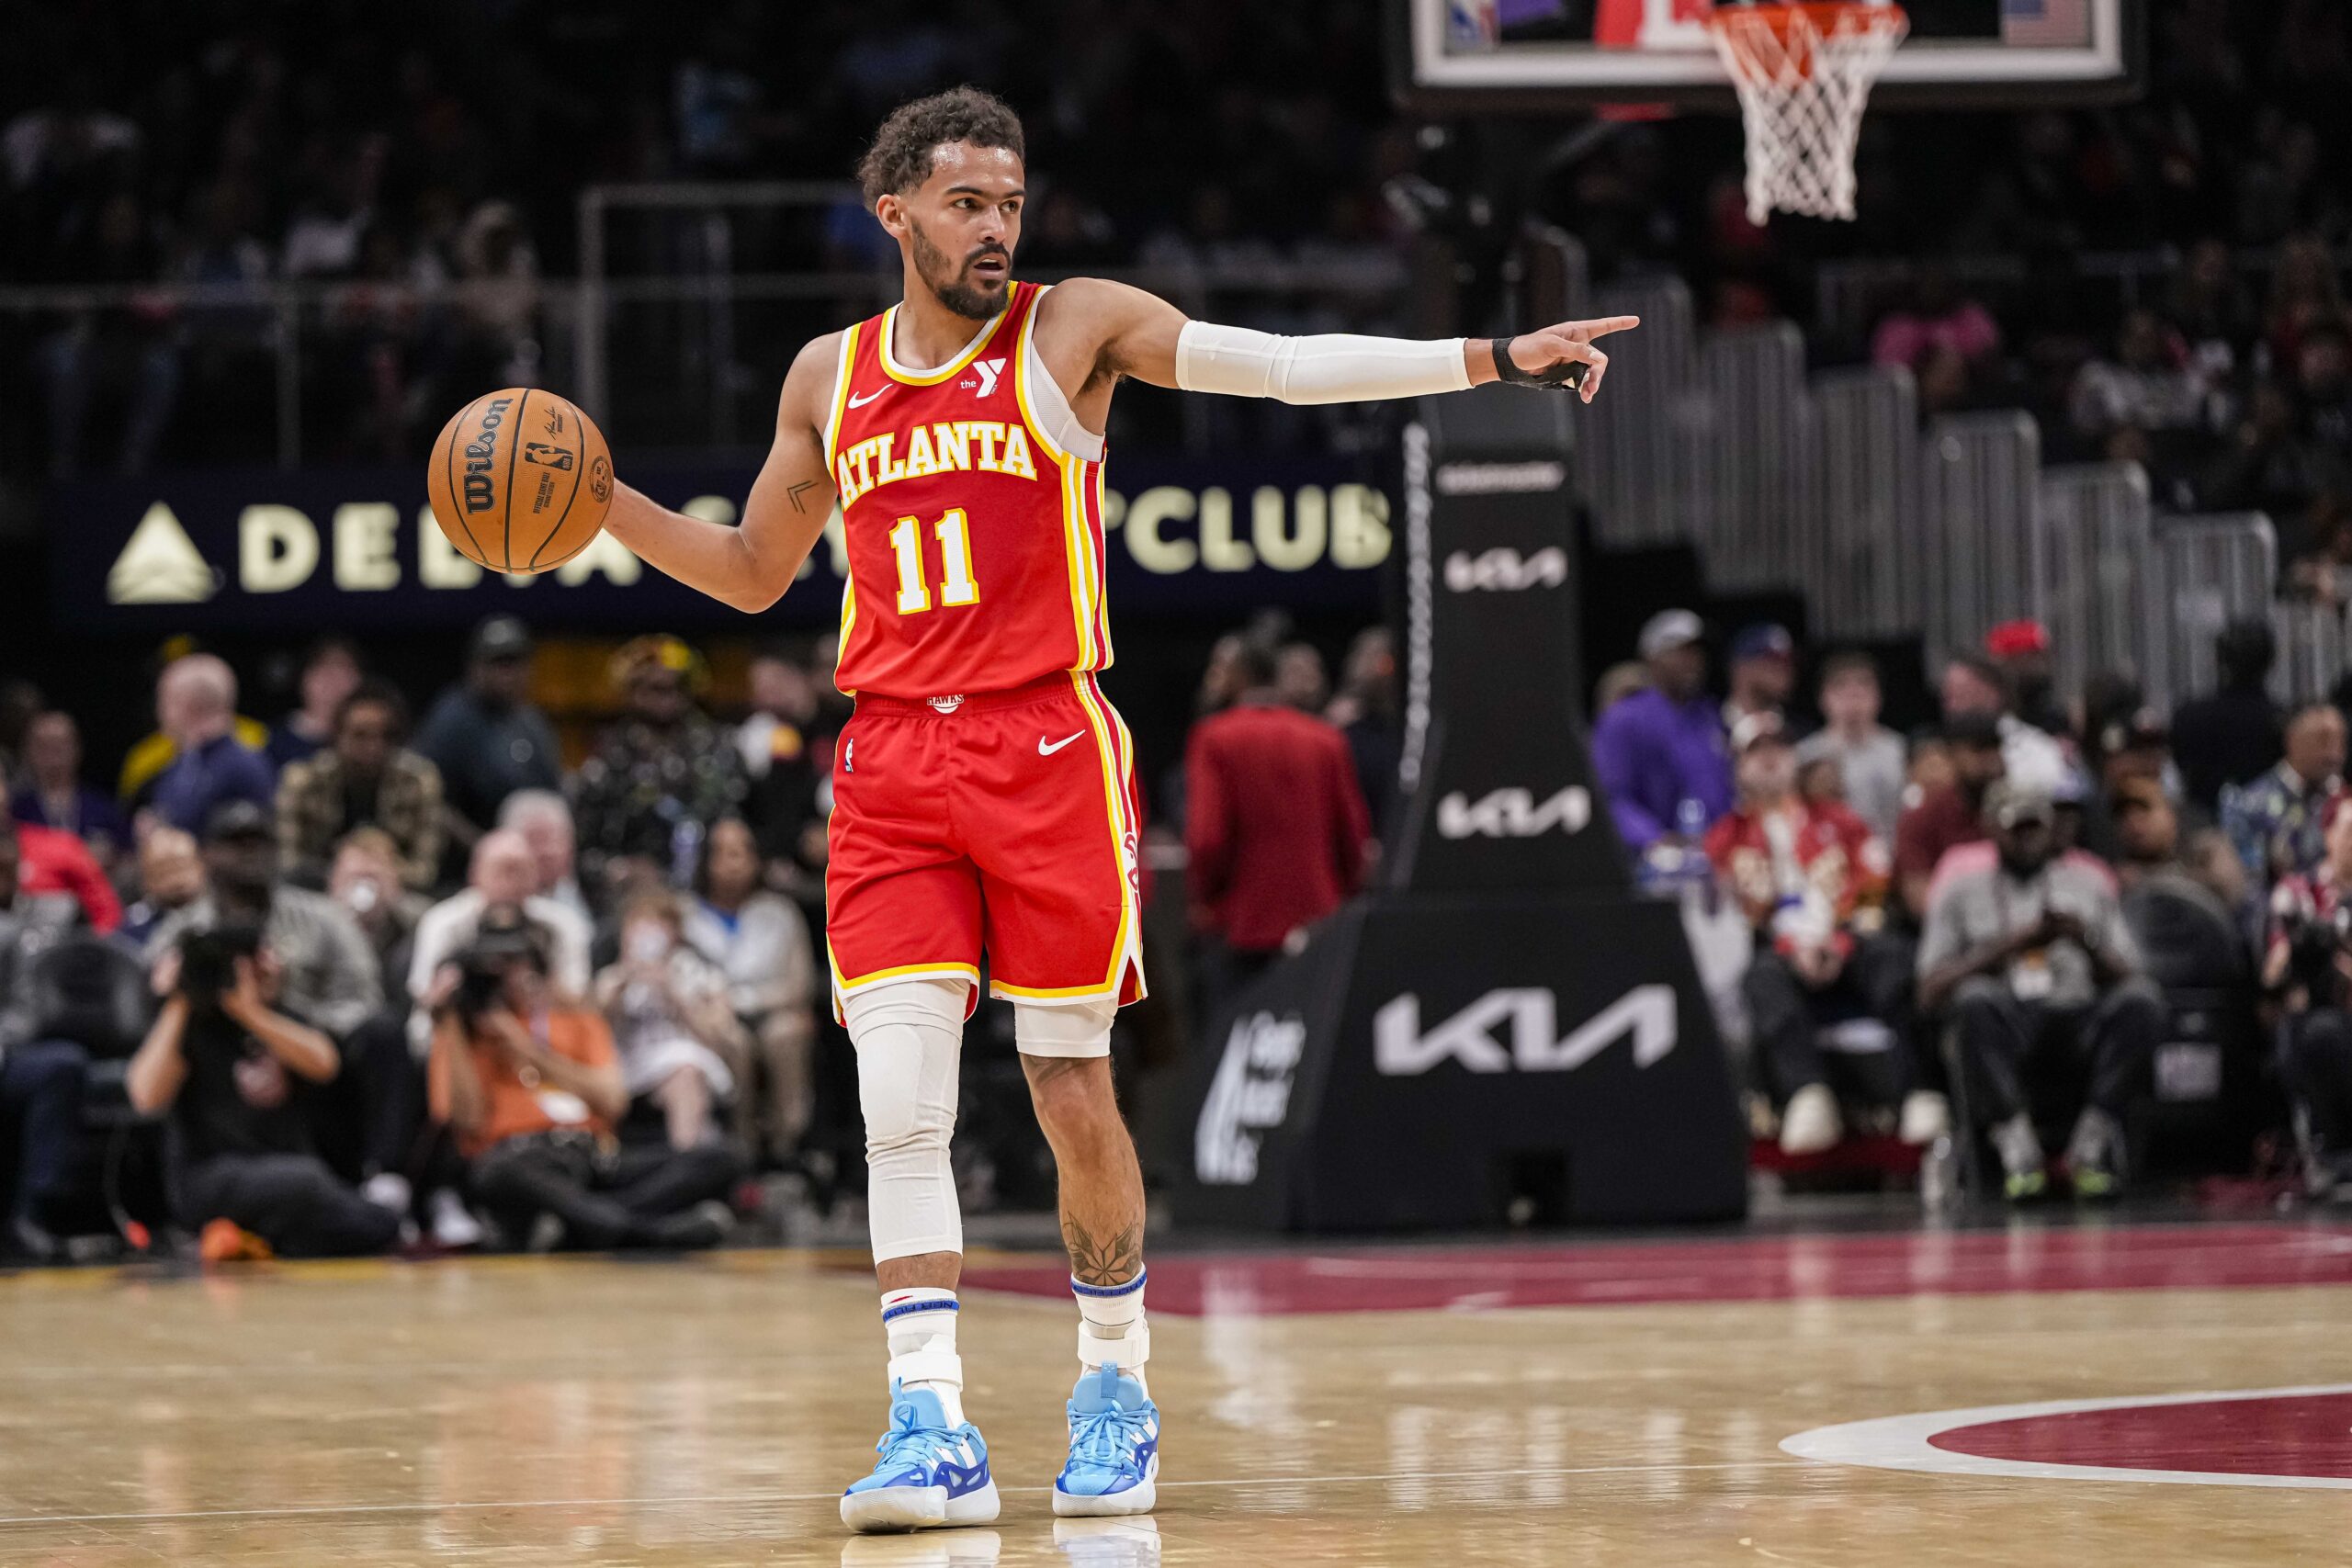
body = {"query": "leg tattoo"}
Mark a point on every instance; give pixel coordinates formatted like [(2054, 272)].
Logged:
[(1112, 1260)]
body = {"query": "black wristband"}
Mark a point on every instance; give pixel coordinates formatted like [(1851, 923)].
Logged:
[(1559, 377)]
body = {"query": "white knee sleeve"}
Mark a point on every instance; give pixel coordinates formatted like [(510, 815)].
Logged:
[(1064, 1029), (909, 1036)]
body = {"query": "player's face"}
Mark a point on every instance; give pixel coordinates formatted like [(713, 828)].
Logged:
[(962, 225)]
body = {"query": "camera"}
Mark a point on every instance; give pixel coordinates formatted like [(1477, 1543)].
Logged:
[(505, 940), (2311, 956), (209, 961)]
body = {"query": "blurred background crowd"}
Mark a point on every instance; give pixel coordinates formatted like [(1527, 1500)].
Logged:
[(294, 943), (343, 979)]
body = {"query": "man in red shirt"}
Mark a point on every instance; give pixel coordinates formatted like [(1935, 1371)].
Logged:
[(54, 862), (1950, 814), (1275, 824), (1812, 880)]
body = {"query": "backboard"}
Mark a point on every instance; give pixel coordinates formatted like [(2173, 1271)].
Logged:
[(1538, 56)]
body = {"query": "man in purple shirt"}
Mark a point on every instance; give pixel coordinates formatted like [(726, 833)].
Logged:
[(1659, 754), (195, 704)]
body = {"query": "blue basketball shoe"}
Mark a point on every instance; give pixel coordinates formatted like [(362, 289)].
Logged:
[(929, 1473), (1113, 1448)]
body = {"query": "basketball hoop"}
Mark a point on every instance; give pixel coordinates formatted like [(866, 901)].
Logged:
[(1804, 72)]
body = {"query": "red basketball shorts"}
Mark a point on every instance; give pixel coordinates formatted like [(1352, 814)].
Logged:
[(1004, 822)]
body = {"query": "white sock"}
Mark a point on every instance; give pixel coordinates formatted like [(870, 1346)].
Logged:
[(1110, 1327), (920, 1324)]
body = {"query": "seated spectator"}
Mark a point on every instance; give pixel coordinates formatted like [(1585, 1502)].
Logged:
[(329, 673), (366, 779), (788, 763), (1762, 669), (53, 795), (1935, 318), (2020, 651), (326, 973), (2230, 736), (230, 1063), (531, 1087), (366, 880), (759, 942), (485, 736), (661, 773), (503, 872), (171, 877), (544, 818), (41, 1080), (195, 701), (1812, 882), (57, 865), (2031, 756), (1659, 753), (1947, 816), (2274, 822), (2187, 926), (146, 759), (2150, 384), (682, 1047), (2307, 967), (2031, 956), (1868, 756), (1301, 681)]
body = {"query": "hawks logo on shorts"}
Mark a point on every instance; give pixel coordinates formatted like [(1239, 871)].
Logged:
[(984, 795)]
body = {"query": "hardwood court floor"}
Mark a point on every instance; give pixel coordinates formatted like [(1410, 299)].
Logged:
[(1338, 1407)]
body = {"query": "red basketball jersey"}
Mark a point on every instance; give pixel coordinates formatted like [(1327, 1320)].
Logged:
[(975, 540)]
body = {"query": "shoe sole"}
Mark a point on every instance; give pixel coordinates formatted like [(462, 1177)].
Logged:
[(899, 1508), (1137, 1499)]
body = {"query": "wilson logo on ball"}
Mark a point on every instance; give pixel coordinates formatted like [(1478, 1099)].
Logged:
[(479, 452)]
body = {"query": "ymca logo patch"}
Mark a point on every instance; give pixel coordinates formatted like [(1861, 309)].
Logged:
[(990, 369)]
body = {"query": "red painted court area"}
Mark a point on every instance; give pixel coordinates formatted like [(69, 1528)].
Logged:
[(1604, 1273), (2307, 1434)]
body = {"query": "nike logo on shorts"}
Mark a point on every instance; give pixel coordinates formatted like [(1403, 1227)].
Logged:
[(858, 402), (1045, 750)]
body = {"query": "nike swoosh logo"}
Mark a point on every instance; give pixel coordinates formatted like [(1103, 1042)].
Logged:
[(858, 402), (1045, 750)]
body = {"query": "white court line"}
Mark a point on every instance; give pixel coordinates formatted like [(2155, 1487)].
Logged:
[(1900, 1442), (329, 1509)]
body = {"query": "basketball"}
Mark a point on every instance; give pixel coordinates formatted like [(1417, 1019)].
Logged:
[(520, 480)]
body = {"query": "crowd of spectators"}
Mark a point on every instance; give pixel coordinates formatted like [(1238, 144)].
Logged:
[(417, 171), (364, 988), (2043, 913)]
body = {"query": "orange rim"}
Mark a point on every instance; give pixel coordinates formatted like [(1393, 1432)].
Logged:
[(1824, 16)]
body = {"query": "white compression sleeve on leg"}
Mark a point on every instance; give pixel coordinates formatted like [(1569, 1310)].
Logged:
[(1328, 368), (909, 1036), (1064, 1029)]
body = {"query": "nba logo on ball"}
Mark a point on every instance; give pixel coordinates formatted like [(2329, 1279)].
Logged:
[(1473, 24)]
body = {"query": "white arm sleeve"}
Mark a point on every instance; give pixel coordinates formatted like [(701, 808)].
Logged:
[(1329, 368)]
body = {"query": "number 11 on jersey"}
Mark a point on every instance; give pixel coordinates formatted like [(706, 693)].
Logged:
[(956, 586)]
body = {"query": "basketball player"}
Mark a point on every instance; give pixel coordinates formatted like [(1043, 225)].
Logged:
[(983, 789)]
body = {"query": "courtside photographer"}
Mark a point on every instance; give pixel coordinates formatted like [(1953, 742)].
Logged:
[(529, 1084), (235, 1072)]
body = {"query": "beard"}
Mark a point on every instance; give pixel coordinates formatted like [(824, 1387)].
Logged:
[(956, 287)]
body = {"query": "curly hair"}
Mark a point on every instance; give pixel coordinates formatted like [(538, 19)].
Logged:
[(900, 156)]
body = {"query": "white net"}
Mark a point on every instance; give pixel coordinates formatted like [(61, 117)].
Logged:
[(1804, 72)]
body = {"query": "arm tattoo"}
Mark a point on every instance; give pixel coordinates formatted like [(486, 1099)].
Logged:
[(793, 495), (1113, 1261)]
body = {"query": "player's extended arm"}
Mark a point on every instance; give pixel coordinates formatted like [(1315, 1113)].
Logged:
[(751, 565), (1146, 337)]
